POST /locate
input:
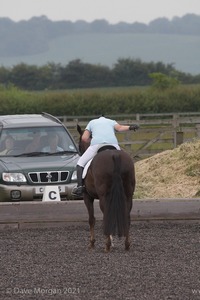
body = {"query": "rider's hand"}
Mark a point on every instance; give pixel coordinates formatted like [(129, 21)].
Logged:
[(134, 127)]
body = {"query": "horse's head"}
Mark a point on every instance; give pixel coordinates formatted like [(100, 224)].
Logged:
[(82, 144)]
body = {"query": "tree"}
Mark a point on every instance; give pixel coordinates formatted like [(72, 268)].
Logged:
[(129, 72), (162, 81)]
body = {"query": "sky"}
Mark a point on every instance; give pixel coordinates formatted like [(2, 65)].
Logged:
[(113, 11)]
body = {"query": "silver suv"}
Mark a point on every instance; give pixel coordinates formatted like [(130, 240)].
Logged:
[(35, 151)]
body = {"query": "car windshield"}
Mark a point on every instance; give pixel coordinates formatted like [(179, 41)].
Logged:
[(36, 141)]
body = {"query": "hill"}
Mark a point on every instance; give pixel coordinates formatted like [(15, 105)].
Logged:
[(170, 174), (182, 51), (40, 40)]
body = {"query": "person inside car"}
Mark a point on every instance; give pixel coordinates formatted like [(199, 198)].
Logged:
[(8, 145), (53, 144), (34, 145)]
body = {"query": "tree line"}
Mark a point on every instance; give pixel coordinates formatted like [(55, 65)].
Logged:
[(76, 74)]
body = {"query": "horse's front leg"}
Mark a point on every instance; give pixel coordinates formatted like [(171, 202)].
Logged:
[(89, 202), (108, 243), (92, 238), (127, 237)]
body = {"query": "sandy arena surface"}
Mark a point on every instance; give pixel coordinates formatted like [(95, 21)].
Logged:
[(55, 263)]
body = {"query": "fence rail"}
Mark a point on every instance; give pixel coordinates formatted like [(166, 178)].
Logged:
[(158, 132)]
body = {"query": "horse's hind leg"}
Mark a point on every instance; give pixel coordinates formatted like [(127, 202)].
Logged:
[(90, 207), (111, 238), (108, 243), (127, 242)]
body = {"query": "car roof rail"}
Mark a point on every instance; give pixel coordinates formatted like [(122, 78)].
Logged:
[(49, 116)]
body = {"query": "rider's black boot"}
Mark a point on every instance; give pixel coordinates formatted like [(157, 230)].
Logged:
[(78, 191)]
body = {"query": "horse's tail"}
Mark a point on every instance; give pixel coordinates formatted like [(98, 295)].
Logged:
[(115, 212)]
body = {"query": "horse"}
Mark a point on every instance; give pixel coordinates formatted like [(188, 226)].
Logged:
[(111, 179)]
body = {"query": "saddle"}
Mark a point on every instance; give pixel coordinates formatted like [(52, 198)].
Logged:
[(102, 148), (106, 147)]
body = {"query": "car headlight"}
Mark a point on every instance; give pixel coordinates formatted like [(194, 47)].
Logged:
[(13, 177), (74, 176)]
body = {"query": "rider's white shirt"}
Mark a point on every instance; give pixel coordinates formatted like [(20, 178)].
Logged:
[(103, 131)]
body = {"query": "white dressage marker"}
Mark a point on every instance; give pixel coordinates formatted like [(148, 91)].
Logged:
[(51, 193)]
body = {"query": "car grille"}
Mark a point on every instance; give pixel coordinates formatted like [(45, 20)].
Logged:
[(48, 177)]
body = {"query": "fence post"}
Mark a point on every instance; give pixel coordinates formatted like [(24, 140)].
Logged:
[(198, 130), (179, 138), (178, 135), (137, 117)]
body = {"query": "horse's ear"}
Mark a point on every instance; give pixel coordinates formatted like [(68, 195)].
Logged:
[(78, 127)]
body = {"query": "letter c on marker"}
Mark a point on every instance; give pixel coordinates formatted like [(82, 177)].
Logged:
[(51, 196)]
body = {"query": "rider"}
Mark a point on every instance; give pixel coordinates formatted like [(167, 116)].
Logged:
[(102, 131)]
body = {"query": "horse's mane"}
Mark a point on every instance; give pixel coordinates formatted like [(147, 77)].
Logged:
[(82, 145)]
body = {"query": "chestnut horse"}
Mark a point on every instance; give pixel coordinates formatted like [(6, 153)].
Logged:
[(111, 179)]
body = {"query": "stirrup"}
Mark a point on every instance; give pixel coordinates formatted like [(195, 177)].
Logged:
[(78, 190)]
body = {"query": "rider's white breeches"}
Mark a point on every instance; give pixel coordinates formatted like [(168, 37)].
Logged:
[(91, 152)]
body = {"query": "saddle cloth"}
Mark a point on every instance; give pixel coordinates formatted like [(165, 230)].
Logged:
[(86, 168)]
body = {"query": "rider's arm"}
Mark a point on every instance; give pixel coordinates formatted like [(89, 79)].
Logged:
[(119, 127), (86, 137)]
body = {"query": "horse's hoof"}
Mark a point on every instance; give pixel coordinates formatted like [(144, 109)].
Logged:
[(127, 247), (91, 245), (107, 250)]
